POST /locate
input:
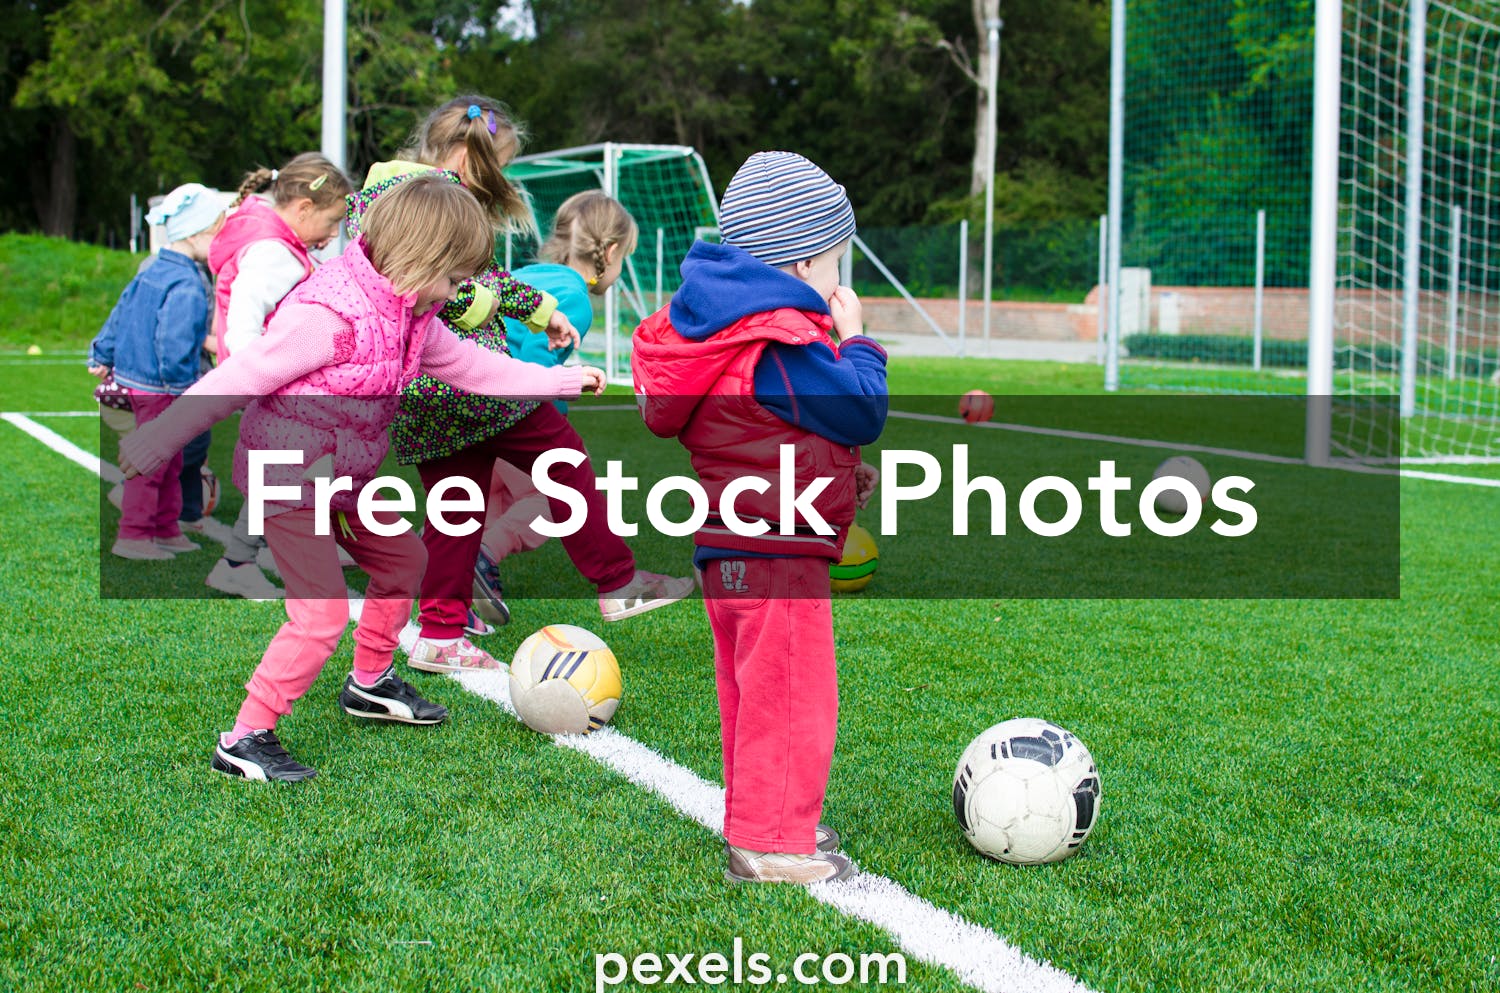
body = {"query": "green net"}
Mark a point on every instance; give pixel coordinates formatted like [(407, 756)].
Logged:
[(1218, 148), (1217, 158), (664, 187)]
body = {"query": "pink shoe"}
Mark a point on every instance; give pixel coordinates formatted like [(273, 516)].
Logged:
[(461, 656)]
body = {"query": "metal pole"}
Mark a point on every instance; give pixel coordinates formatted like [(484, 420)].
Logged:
[(611, 296), (1416, 93), (135, 225), (335, 87), (992, 28), (1103, 305), (661, 259), (1323, 268), (1455, 261), (335, 99), (1116, 210), (1260, 283), (507, 252), (963, 283)]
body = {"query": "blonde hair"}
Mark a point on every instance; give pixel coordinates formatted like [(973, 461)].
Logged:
[(308, 175), (586, 225), (493, 138), (425, 228)]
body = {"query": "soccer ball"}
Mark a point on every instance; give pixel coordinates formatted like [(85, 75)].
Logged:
[(854, 571), (564, 680), (975, 406), (210, 490), (1192, 472), (1026, 792)]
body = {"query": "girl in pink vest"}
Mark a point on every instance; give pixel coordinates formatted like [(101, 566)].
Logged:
[(323, 383), (258, 257)]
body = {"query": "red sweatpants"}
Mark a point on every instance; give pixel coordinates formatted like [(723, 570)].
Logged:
[(600, 555), (317, 606), (778, 696)]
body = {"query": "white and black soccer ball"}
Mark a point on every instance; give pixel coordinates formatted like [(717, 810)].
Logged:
[(564, 680), (1026, 791), (1174, 499)]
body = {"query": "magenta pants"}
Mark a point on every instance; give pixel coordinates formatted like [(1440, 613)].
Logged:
[(152, 502), (317, 607), (599, 555), (778, 696)]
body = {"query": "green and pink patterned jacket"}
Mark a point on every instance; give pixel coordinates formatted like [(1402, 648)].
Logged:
[(436, 419)]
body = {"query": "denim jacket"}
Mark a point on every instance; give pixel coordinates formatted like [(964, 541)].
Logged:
[(156, 331)]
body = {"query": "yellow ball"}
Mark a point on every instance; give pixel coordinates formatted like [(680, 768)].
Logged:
[(854, 571), (564, 680)]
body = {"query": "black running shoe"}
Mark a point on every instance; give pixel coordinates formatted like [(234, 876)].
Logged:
[(259, 755), (489, 599), (390, 699)]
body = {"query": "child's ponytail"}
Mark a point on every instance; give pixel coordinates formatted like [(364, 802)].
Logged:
[(492, 139)]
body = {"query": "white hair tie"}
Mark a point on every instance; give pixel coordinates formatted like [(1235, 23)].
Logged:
[(274, 174)]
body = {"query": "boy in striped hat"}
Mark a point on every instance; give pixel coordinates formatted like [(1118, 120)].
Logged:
[(761, 349)]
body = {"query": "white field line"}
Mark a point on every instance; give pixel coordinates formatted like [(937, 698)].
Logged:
[(1178, 447), (979, 957), (65, 448)]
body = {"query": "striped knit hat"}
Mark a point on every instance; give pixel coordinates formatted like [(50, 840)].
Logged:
[(781, 209)]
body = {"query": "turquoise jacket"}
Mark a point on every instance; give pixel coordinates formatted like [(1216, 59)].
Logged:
[(572, 294)]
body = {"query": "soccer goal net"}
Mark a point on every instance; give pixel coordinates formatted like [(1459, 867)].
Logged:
[(1417, 299), (1215, 282), (666, 189)]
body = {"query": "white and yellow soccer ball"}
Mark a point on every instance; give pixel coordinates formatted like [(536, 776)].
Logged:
[(1026, 792), (564, 680), (1191, 471)]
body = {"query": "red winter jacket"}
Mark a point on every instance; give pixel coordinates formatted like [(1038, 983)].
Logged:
[(702, 392)]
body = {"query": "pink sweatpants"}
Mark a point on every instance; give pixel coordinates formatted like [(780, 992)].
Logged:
[(778, 696), (152, 503), (317, 607)]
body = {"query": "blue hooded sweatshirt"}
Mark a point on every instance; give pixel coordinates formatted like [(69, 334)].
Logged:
[(840, 397)]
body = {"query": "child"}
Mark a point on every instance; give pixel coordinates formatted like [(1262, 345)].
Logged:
[(592, 236), (448, 433), (324, 379), (260, 256), (151, 342), (759, 348)]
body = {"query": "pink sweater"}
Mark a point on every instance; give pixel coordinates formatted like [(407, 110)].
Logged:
[(304, 338)]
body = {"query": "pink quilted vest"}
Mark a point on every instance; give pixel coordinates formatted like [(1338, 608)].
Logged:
[(344, 409)]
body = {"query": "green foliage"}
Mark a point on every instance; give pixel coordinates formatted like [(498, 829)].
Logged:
[(146, 97), (58, 292)]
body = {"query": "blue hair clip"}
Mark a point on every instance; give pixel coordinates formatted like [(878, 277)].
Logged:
[(473, 111)]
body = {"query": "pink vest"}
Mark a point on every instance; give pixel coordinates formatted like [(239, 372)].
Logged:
[(345, 408), (254, 220)]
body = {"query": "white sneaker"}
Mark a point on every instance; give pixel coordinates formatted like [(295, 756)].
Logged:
[(749, 866), (645, 591), (461, 656), (178, 543), (267, 561), (140, 550), (243, 580)]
